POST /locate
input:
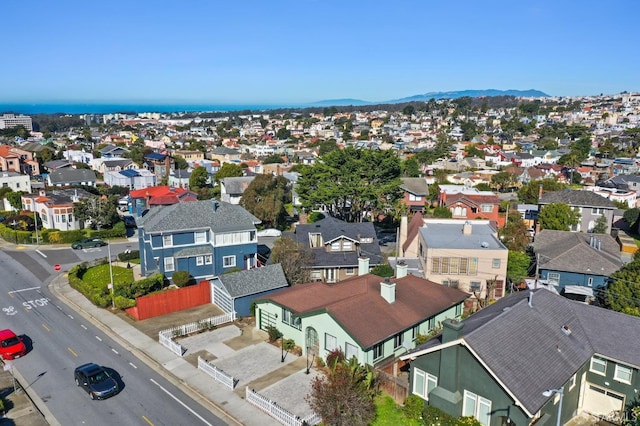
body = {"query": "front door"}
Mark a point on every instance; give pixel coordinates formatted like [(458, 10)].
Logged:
[(312, 345)]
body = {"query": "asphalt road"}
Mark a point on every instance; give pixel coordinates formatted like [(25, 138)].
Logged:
[(59, 340)]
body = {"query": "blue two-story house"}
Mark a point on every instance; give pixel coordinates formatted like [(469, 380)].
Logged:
[(575, 262), (205, 238)]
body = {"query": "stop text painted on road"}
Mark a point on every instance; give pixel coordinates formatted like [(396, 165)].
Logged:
[(30, 304)]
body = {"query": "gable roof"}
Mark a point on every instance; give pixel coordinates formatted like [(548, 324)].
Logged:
[(203, 214), (416, 186), (524, 347), (576, 197), (236, 184), (593, 254), (253, 281), (416, 299), (71, 175)]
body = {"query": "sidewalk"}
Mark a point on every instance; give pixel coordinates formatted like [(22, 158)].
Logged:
[(18, 407), (174, 368)]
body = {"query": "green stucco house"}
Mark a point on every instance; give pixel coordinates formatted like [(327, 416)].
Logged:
[(530, 358), (368, 317)]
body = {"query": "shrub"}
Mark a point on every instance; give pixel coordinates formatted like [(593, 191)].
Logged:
[(314, 217), (435, 416), (274, 333), (181, 278), (288, 344), (334, 357), (133, 254), (320, 362), (413, 406), (124, 303)]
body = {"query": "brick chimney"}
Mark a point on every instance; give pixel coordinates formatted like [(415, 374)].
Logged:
[(388, 290)]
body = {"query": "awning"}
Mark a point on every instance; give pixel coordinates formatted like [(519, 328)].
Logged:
[(578, 289)]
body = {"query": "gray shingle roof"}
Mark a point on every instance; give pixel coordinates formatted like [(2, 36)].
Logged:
[(416, 186), (197, 215), (253, 281), (575, 197), (71, 175), (237, 185), (573, 252), (525, 347), (449, 236)]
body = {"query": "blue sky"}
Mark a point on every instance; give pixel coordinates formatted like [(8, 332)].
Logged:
[(282, 51)]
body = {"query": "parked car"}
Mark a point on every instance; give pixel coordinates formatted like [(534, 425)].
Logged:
[(88, 242), (96, 381), (11, 345), (129, 221)]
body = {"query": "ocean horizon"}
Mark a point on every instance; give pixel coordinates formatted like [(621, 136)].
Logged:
[(112, 108)]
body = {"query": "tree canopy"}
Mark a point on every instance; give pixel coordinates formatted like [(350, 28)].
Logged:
[(228, 170), (294, 259), (198, 179), (558, 216), (529, 192), (623, 293), (351, 183), (265, 198), (97, 212)]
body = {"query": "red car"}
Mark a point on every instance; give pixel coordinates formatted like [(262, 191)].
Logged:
[(11, 346)]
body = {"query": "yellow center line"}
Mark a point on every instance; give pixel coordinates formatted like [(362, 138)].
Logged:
[(147, 420), (45, 327), (11, 294), (71, 350)]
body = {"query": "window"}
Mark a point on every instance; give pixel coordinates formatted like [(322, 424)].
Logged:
[(335, 246), (231, 238), (330, 342), (487, 208), (475, 286), (473, 266), (168, 264), (413, 197), (451, 283), (167, 240), (453, 265), (445, 265), (378, 351), (347, 246), (415, 331), (495, 263), (397, 340), (200, 237), (572, 382), (554, 278), (350, 271), (423, 383), (351, 351), (435, 265), (229, 261), (199, 261), (598, 366), (597, 211), (622, 374), (590, 281), (458, 310), (208, 260), (476, 406), (431, 324), (290, 319)]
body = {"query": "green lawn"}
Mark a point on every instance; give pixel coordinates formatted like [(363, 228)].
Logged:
[(100, 275), (390, 414)]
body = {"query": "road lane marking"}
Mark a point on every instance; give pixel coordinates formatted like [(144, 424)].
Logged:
[(41, 254), (83, 326), (147, 420), (133, 365), (115, 352), (98, 338), (45, 327), (71, 350), (23, 289), (181, 403), (70, 316)]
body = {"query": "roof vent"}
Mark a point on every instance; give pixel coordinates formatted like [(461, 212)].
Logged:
[(484, 244), (565, 329)]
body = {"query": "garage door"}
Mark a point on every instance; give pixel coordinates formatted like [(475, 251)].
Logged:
[(221, 298), (599, 401)]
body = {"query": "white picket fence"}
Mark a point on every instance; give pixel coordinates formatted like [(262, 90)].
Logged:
[(277, 412), (166, 336), (216, 373)]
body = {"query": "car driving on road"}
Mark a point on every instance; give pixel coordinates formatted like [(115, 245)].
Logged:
[(11, 346), (88, 242), (96, 381)]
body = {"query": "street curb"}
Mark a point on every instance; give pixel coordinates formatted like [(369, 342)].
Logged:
[(195, 394), (35, 400)]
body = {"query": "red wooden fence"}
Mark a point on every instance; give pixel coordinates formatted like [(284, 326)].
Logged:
[(172, 300)]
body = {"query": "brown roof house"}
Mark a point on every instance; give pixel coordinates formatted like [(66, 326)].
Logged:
[(371, 318)]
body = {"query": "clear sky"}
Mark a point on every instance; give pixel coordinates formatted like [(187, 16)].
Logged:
[(285, 51)]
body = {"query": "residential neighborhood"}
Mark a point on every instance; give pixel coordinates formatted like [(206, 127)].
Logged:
[(477, 253)]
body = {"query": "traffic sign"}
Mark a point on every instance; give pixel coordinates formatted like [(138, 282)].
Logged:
[(57, 267)]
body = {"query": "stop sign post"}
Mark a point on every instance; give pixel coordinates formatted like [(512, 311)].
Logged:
[(57, 267)]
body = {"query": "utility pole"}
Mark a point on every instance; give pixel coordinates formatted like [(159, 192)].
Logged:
[(537, 270)]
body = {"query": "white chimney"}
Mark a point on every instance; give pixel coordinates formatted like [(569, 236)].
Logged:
[(401, 269), (363, 265), (388, 290), (404, 229), (466, 228)]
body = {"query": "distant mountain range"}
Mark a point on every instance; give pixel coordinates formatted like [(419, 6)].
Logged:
[(437, 95)]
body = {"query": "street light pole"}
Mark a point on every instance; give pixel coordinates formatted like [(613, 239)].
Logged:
[(15, 230), (559, 391), (113, 290)]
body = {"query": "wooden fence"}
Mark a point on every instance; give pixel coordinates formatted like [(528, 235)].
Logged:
[(280, 414), (216, 373), (173, 300)]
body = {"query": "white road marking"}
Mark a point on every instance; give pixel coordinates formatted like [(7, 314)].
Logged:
[(181, 403), (98, 338), (70, 316), (83, 326), (41, 254), (115, 352), (24, 289), (133, 365)]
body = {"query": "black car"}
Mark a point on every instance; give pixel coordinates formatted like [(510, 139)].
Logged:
[(88, 242), (96, 381), (129, 221)]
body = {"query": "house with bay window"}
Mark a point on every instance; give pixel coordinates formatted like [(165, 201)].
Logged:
[(528, 357), (205, 238), (370, 318)]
